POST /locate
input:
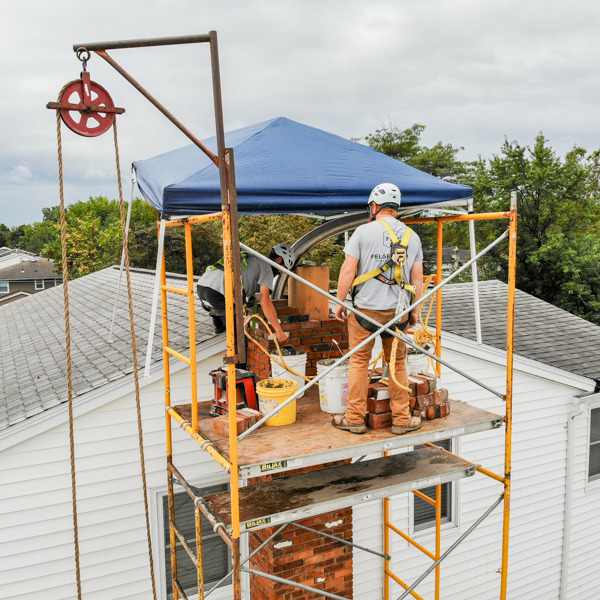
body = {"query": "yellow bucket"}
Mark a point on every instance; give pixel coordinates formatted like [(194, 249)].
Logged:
[(271, 393)]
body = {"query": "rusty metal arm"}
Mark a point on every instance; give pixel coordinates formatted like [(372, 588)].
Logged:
[(115, 65), (145, 42)]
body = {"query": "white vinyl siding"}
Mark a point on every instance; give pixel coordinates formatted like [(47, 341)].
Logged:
[(36, 545), (539, 468)]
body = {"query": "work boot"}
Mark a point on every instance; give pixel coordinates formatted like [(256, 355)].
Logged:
[(218, 324), (413, 425), (339, 422)]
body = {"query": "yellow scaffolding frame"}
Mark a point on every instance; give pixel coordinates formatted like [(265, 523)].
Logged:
[(228, 215)]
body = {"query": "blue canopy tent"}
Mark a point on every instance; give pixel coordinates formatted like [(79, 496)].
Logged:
[(285, 167)]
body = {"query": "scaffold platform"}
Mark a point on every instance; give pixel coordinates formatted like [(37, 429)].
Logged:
[(312, 440), (304, 495)]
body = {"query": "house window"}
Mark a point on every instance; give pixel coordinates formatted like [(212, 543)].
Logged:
[(4, 289), (423, 512), (215, 553), (594, 462), (39, 284)]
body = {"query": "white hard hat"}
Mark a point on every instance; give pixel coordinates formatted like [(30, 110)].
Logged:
[(286, 253), (386, 193)]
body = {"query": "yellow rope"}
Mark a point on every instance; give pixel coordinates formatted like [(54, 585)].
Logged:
[(65, 279), (421, 337), (135, 360), (281, 363)]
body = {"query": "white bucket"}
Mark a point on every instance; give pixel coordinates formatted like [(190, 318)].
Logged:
[(416, 363), (333, 388), (296, 362)]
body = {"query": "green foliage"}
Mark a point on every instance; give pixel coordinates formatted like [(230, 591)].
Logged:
[(207, 247), (558, 251), (262, 232)]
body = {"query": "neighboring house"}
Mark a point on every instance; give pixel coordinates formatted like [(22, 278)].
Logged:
[(23, 273), (556, 464), (452, 258)]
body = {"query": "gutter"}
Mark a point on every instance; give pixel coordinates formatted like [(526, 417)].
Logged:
[(581, 402)]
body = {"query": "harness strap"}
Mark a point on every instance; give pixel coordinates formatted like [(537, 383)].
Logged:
[(372, 329)]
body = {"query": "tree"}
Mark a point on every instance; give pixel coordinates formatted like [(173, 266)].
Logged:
[(439, 160), (558, 252)]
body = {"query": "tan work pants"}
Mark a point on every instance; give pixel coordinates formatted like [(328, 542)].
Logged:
[(359, 366)]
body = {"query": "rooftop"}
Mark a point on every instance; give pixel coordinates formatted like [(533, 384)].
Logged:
[(32, 353), (29, 268), (543, 332)]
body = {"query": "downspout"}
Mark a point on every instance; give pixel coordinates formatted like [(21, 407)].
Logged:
[(580, 403)]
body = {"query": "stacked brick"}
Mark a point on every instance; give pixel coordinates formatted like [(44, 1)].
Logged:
[(246, 417), (303, 556), (426, 401), (313, 336)]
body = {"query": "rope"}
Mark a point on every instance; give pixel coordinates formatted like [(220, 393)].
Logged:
[(65, 279), (281, 363), (135, 361), (421, 337)]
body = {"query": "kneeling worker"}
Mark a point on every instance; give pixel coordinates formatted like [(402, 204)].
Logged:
[(384, 270), (257, 276)]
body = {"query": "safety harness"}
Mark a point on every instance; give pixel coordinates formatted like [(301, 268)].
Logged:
[(396, 262)]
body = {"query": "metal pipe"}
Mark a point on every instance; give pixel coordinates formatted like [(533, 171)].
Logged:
[(467, 217), (196, 219), (112, 321), (438, 537), (342, 541), (382, 328), (438, 296), (456, 543), (291, 583), (404, 585), (424, 497), (490, 474), (510, 332), (178, 355), (189, 268), (199, 553), (386, 543), (248, 558), (475, 277), (178, 590), (411, 541), (201, 440), (185, 545), (158, 105), (144, 42), (157, 282)]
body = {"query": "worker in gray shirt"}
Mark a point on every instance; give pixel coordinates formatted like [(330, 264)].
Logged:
[(384, 270), (257, 276)]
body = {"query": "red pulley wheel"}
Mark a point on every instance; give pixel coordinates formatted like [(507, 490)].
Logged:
[(86, 119)]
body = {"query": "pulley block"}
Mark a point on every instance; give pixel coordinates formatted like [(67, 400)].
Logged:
[(85, 106)]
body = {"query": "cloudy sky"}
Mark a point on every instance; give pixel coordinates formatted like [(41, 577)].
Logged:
[(472, 71)]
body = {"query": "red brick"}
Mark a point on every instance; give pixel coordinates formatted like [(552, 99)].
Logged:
[(424, 401), (290, 326), (431, 381), (438, 398), (377, 407), (221, 424), (379, 421), (422, 384), (412, 400), (310, 324), (430, 412), (445, 394)]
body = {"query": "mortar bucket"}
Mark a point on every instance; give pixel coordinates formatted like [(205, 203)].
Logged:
[(296, 362), (271, 393), (333, 388)]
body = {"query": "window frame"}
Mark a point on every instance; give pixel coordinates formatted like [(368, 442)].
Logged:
[(41, 281), (453, 523), (590, 484), (7, 287), (159, 547)]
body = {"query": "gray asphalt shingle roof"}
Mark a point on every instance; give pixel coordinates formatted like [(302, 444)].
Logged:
[(543, 332), (32, 339)]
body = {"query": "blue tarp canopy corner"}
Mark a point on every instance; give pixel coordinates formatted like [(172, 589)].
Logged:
[(282, 167)]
